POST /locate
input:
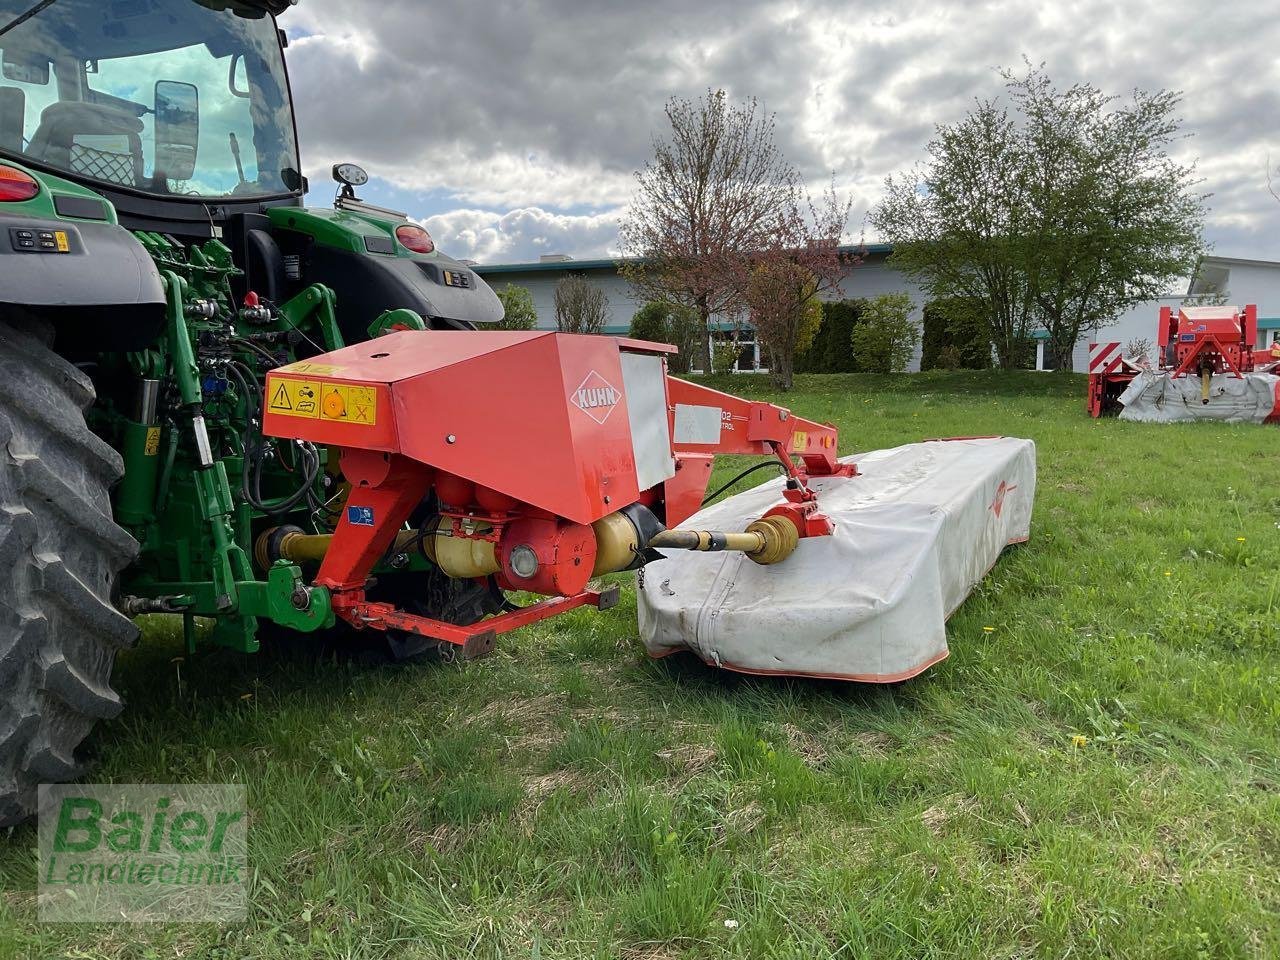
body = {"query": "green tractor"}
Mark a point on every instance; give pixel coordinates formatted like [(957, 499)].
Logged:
[(156, 260)]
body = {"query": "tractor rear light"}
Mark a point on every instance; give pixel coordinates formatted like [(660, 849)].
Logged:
[(16, 185), (415, 238)]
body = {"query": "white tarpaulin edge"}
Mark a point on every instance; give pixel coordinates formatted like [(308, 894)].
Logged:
[(915, 532), (1154, 397)]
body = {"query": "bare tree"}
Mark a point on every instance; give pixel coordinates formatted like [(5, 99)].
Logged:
[(781, 283), (717, 186), (581, 306)]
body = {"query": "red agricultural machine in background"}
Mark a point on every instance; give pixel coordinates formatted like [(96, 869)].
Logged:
[(1200, 342)]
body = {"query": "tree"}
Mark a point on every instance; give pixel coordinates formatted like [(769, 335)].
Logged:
[(782, 281), (1116, 218), (830, 351), (518, 312), (954, 335), (1063, 213), (956, 221), (670, 323), (724, 356), (581, 306), (886, 338), (716, 187), (650, 322), (689, 334)]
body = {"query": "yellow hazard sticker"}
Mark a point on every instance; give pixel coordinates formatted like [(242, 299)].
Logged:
[(317, 400), (349, 404), (800, 440), (60, 237), (294, 398), (315, 369), (152, 445)]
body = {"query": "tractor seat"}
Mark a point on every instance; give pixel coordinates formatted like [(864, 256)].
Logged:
[(91, 139)]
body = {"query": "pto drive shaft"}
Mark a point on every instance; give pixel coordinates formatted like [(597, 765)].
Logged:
[(766, 541)]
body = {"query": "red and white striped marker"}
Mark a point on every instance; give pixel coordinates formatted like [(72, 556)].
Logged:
[(1105, 357)]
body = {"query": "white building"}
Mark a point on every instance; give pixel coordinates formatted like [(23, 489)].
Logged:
[(869, 278), (1234, 280)]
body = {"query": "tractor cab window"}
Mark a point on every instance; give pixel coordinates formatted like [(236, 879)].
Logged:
[(169, 97)]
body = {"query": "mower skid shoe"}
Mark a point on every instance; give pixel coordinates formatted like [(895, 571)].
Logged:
[(914, 534)]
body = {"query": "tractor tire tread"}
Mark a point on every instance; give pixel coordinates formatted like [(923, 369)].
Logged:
[(60, 559)]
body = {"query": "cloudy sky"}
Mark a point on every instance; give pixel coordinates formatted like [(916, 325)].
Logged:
[(513, 129)]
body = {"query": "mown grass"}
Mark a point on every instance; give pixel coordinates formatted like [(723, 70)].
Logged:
[(1093, 772)]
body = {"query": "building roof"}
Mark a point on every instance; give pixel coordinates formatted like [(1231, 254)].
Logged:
[(1213, 273), (613, 263), (1241, 261)]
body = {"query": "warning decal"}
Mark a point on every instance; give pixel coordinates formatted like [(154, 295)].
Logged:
[(315, 369), (800, 441), (296, 398), (318, 400), (351, 404)]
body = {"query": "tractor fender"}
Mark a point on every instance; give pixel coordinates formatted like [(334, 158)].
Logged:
[(90, 265), (367, 285)]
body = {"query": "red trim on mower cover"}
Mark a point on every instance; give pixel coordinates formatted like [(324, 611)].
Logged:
[(849, 677)]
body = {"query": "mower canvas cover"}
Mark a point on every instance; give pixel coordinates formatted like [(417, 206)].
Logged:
[(1155, 397), (916, 530)]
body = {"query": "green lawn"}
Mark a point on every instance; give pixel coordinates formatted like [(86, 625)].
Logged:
[(1093, 772)]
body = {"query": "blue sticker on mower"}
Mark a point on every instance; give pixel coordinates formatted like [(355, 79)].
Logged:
[(360, 516), (1187, 337)]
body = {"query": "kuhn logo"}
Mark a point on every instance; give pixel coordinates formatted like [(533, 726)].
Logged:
[(596, 397), (1005, 488)]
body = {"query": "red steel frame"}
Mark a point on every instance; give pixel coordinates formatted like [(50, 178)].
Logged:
[(757, 428)]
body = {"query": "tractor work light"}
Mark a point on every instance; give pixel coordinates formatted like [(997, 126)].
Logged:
[(16, 185), (415, 238)]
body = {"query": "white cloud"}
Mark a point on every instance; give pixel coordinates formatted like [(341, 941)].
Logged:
[(523, 234)]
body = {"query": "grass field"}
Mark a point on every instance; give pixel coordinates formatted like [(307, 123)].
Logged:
[(1093, 772)]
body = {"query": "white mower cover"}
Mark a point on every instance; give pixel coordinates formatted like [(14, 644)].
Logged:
[(915, 532), (1154, 397)]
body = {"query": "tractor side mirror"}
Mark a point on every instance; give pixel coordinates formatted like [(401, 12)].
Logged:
[(177, 129)]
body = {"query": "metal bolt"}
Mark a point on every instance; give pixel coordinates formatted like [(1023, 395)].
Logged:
[(451, 439)]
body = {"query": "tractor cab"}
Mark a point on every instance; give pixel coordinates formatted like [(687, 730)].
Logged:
[(178, 113), (163, 107)]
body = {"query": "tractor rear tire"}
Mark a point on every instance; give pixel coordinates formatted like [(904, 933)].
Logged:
[(60, 556)]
